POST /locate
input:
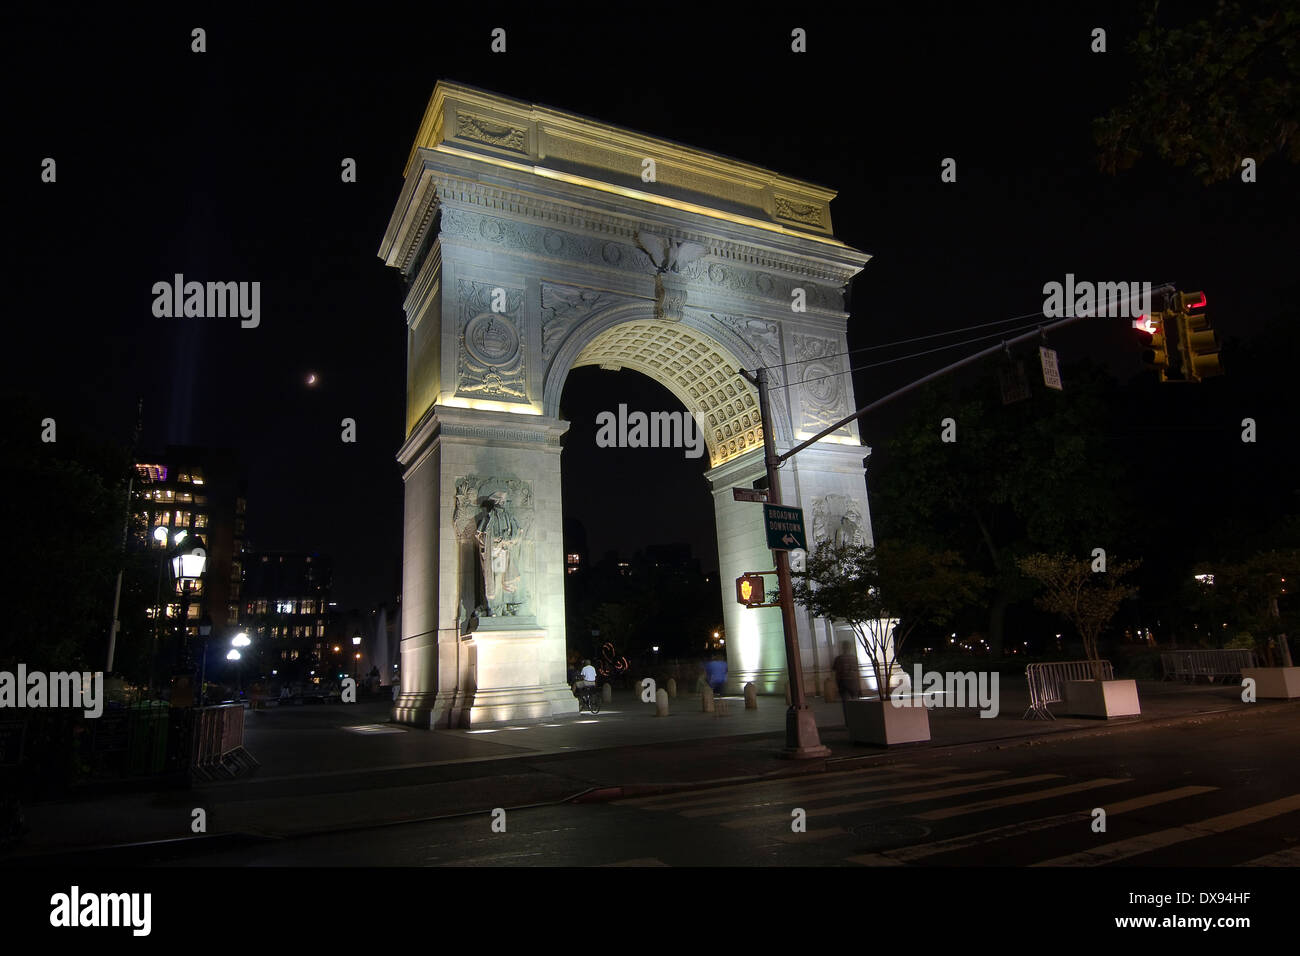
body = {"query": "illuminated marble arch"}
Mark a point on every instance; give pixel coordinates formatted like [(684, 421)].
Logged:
[(531, 245)]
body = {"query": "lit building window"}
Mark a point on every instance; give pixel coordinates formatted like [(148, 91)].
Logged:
[(200, 521)]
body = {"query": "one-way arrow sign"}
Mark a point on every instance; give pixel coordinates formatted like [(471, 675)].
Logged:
[(784, 528)]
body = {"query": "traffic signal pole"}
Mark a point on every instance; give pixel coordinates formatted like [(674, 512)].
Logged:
[(801, 738), (968, 360)]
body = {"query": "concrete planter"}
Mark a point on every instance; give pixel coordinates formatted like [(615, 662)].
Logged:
[(875, 721), (1274, 682), (1102, 698)]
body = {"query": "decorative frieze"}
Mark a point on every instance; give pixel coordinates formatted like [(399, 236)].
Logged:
[(482, 130), (685, 259), (806, 213)]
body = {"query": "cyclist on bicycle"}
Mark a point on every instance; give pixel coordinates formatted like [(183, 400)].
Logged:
[(586, 681)]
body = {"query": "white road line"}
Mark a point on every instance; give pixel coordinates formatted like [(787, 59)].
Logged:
[(1289, 857), (1018, 798), (767, 818), (640, 861), (908, 853), (1123, 849), (714, 794), (809, 795)]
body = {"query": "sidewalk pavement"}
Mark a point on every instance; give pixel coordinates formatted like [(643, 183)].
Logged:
[(331, 767)]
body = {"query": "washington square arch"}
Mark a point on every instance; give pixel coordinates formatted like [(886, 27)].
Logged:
[(534, 241)]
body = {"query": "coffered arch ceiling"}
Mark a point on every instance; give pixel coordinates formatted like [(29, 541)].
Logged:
[(696, 368)]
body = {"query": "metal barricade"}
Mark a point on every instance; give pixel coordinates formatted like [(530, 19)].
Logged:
[(1210, 663), (219, 742), (1047, 682)]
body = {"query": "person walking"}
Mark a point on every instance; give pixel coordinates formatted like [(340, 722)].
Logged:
[(847, 676)]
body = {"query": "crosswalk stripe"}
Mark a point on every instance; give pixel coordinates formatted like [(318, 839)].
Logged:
[(1018, 798), (909, 853), (821, 794), (714, 794), (1289, 857), (767, 818), (1122, 849)]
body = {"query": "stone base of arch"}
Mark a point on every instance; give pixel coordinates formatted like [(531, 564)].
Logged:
[(505, 668)]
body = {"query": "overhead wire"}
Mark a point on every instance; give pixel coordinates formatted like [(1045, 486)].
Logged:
[(919, 338), (903, 358)]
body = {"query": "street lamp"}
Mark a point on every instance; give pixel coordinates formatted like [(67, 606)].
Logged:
[(189, 560), (356, 642), (160, 534)]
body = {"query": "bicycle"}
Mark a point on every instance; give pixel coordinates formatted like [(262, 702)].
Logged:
[(588, 698)]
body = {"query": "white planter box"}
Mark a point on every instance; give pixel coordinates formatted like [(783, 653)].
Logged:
[(874, 721), (1102, 698), (1274, 682)]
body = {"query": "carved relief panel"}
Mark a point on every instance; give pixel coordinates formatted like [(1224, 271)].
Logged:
[(491, 362)]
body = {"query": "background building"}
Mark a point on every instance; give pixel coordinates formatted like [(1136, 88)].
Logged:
[(201, 491), (287, 607)]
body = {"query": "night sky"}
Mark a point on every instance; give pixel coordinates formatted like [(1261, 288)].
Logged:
[(225, 166)]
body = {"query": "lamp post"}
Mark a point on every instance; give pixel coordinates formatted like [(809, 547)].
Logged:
[(356, 656), (237, 643), (160, 534), (188, 563)]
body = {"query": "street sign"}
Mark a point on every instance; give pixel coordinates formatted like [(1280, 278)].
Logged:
[(748, 494), (1015, 387), (1051, 370), (784, 528)]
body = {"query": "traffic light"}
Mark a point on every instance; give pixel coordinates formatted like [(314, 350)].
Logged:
[(1196, 341), (749, 590), (1156, 354)]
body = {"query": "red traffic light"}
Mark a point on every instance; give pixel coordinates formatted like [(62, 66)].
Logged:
[(1148, 324)]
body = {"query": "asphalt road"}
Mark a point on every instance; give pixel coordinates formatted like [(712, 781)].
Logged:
[(1216, 792)]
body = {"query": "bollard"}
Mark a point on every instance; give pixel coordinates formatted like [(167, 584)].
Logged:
[(751, 696), (706, 699), (788, 701), (830, 691), (606, 694), (672, 687), (661, 703)]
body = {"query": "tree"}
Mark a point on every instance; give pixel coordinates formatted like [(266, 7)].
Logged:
[(1254, 592), (1033, 476), (65, 519), (884, 593), (1210, 93), (1086, 598)]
